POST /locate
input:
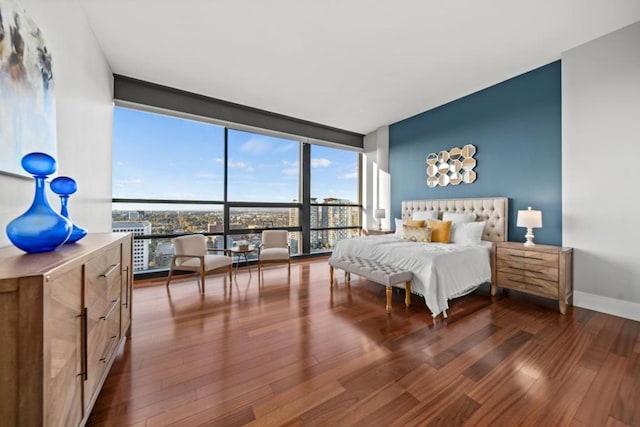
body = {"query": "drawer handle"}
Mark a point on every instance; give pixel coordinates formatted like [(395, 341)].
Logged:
[(110, 270), (114, 304), (110, 349), (516, 256), (126, 301), (85, 350)]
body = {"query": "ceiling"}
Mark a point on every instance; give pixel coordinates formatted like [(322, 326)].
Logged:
[(351, 64)]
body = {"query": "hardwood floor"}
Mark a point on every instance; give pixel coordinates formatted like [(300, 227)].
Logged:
[(291, 352)]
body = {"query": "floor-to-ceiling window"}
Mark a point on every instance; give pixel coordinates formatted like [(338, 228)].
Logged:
[(173, 176), (167, 180), (335, 200)]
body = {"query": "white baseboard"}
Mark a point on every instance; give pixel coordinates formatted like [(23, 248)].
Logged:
[(616, 307)]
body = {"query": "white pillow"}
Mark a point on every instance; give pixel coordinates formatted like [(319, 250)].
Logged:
[(458, 218), (424, 215), (467, 233), (399, 231)]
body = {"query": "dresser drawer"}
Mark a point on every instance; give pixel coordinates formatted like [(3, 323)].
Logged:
[(519, 258), (511, 254), (103, 277), (510, 263), (537, 271), (527, 284), (102, 299), (541, 258)]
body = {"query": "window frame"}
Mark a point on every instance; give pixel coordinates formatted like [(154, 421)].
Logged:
[(304, 206)]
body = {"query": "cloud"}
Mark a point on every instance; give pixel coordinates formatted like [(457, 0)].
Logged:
[(219, 160), (353, 175), (256, 146), (128, 182), (287, 147), (290, 171), (287, 163), (320, 163), (205, 175), (135, 181), (240, 165)]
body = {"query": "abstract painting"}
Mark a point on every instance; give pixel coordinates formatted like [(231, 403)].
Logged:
[(27, 101)]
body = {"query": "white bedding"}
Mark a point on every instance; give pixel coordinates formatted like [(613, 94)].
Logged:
[(440, 271)]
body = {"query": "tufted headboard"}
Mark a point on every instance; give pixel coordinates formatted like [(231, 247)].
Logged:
[(493, 210)]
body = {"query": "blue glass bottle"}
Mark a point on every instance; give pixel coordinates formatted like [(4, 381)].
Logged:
[(64, 186), (40, 228)]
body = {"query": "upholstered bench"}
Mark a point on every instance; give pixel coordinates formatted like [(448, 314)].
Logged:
[(386, 275)]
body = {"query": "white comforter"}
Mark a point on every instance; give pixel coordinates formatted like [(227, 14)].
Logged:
[(440, 271)]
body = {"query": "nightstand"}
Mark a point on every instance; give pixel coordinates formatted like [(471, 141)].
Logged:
[(541, 270), (376, 232)]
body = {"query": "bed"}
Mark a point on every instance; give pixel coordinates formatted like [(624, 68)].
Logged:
[(441, 271)]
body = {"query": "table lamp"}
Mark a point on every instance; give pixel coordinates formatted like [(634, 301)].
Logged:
[(379, 214), (530, 219)]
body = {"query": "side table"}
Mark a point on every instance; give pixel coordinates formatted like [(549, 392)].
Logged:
[(541, 270), (242, 252)]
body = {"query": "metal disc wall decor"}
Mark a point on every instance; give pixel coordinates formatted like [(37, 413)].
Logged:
[(451, 167)]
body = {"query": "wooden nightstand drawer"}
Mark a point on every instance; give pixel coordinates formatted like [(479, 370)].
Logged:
[(509, 263), (511, 254), (511, 280), (528, 284), (528, 257), (540, 270), (541, 258)]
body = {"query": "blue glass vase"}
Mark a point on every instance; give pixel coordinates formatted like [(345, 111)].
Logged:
[(64, 186), (40, 228)]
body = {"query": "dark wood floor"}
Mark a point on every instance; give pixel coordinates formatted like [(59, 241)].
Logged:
[(293, 353)]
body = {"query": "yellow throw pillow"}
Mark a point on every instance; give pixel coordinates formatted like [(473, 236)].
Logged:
[(441, 230), (414, 223), (416, 234)]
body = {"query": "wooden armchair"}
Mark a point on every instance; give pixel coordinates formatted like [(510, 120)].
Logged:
[(192, 255)]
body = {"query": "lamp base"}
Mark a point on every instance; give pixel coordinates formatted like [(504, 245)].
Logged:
[(529, 236), (379, 224)]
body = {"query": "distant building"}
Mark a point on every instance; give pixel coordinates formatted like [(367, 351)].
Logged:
[(164, 254), (313, 222), (215, 227), (293, 215), (333, 216), (141, 246)]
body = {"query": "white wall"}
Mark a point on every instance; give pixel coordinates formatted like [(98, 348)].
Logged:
[(376, 184), (84, 94), (601, 170)]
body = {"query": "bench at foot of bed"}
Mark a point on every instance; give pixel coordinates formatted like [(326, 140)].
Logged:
[(386, 275)]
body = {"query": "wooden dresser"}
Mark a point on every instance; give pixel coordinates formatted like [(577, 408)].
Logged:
[(63, 316), (540, 270)]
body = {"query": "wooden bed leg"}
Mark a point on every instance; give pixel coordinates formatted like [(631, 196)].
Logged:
[(331, 275), (407, 293), (389, 299), (494, 289), (347, 276)]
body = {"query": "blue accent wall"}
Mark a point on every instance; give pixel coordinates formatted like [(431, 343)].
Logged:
[(516, 128)]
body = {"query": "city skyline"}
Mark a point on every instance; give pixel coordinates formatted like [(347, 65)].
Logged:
[(162, 157)]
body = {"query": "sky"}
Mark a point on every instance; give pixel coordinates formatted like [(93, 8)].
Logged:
[(163, 157)]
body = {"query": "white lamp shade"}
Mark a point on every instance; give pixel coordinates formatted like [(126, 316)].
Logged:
[(529, 218), (379, 213)]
